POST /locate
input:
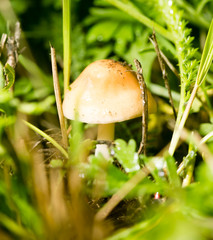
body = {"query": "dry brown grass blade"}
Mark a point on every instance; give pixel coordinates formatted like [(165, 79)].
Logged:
[(58, 97), (163, 70)]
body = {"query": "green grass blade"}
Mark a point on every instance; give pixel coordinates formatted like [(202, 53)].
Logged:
[(48, 138), (207, 56), (66, 41)]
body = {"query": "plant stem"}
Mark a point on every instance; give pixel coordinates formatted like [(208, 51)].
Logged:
[(58, 98), (207, 137), (188, 178), (182, 120), (163, 70), (67, 41), (105, 132)]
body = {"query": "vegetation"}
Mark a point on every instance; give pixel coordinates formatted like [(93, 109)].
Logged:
[(52, 186)]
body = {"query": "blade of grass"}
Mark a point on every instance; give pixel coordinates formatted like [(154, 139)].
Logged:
[(47, 137), (58, 97), (206, 58), (67, 41), (206, 61)]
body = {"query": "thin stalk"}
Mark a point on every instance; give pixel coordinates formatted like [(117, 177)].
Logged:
[(163, 70), (48, 138), (129, 8), (66, 42), (179, 127), (58, 98), (139, 73), (189, 175), (207, 137), (169, 64)]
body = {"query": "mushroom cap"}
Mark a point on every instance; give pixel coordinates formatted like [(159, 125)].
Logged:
[(106, 91)]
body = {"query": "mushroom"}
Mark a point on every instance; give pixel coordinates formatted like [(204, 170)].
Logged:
[(105, 92)]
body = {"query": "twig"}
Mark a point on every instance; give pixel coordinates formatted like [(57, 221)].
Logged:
[(169, 64), (58, 97), (163, 70), (139, 73), (118, 196), (13, 46)]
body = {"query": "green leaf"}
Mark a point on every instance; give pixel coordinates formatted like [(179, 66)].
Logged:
[(5, 96), (115, 179), (123, 36), (36, 108), (10, 73), (22, 87), (126, 155), (172, 171), (102, 31), (205, 128), (100, 53)]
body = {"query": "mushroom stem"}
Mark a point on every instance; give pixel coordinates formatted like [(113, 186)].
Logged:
[(105, 132)]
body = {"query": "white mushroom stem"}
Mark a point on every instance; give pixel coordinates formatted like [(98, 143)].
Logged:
[(105, 132)]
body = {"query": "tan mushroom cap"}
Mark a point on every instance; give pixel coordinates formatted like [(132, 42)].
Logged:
[(105, 92)]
